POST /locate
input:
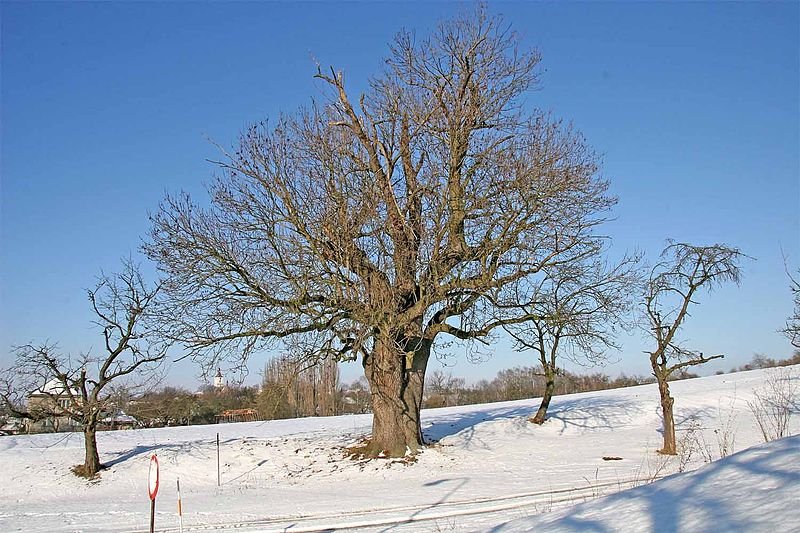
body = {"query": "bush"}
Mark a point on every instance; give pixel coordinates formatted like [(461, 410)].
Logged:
[(774, 403)]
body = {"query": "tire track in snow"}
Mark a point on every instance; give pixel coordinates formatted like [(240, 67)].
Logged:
[(398, 516)]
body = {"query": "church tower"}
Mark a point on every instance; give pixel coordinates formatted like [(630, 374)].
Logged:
[(218, 380)]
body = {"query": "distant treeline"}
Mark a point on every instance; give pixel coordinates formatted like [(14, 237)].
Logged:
[(518, 383), (288, 390), (762, 361)]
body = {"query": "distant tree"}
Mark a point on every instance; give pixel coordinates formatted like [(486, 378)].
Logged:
[(483, 391), (517, 383), (375, 226), (213, 401), (571, 383), (631, 381), (279, 375), (166, 407), (322, 389), (76, 388), (792, 328), (762, 361), (682, 374), (443, 389), (120, 396), (5, 415), (674, 282), (575, 312), (356, 397), (297, 387)]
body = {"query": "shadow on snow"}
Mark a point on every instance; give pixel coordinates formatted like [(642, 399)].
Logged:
[(582, 414), (670, 499)]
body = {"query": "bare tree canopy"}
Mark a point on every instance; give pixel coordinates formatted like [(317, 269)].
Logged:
[(44, 383), (575, 313), (674, 282), (367, 226)]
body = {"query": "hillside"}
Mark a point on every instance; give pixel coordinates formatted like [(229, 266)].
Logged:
[(487, 466)]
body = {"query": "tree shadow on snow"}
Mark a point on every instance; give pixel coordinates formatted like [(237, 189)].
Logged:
[(590, 414), (453, 486), (580, 413), (185, 447), (121, 457), (670, 501), (444, 425)]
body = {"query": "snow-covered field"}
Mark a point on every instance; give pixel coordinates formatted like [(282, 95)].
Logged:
[(489, 470)]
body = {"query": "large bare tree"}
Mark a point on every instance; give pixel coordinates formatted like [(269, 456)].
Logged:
[(371, 226), (575, 313), (674, 283), (78, 388)]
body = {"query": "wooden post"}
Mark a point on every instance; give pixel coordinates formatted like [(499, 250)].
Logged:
[(217, 459)]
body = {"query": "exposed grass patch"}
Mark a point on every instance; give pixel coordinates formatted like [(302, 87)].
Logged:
[(363, 451)]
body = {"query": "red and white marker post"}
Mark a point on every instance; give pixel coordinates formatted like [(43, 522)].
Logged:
[(152, 489), (180, 510)]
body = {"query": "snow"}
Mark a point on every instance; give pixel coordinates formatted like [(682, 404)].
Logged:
[(119, 418), (55, 387), (488, 469), (754, 490)]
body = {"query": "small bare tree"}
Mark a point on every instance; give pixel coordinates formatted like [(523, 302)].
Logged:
[(575, 313), (674, 282), (75, 388), (792, 329)]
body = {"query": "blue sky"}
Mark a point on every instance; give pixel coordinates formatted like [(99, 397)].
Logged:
[(107, 106)]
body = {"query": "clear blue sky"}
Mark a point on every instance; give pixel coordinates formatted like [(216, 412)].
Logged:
[(105, 106)]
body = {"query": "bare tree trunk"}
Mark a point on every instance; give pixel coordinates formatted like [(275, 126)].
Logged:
[(396, 398), (668, 417), (91, 463), (415, 387), (549, 389)]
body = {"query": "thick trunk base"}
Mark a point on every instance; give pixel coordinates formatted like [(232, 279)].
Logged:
[(91, 463), (396, 381)]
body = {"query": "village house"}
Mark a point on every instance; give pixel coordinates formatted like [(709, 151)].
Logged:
[(53, 402)]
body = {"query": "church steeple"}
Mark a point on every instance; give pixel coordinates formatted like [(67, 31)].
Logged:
[(218, 379)]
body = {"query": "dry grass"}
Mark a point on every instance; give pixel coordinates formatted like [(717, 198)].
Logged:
[(363, 451), (81, 471)]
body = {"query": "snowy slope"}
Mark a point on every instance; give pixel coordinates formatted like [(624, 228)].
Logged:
[(754, 490), (487, 466)]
